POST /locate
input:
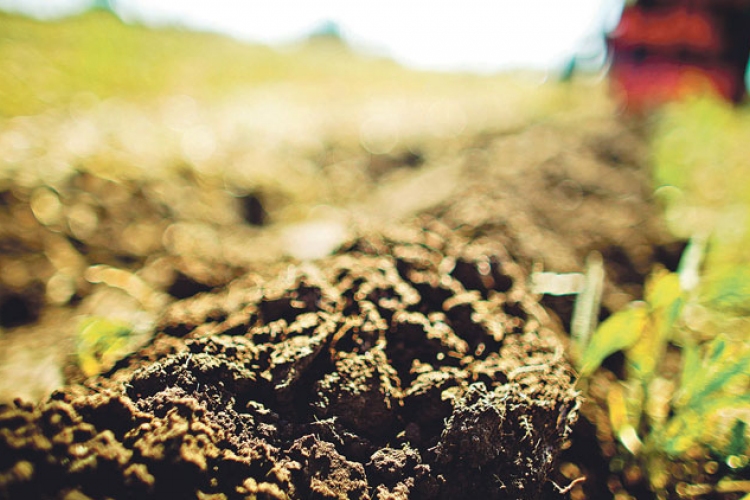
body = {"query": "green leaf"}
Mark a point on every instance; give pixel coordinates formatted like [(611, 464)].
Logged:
[(663, 289), (665, 300), (691, 370), (720, 379), (737, 438), (728, 289), (725, 403), (716, 349), (681, 432), (704, 382), (620, 331), (692, 425), (100, 341)]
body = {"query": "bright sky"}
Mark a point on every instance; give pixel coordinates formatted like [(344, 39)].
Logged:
[(478, 35)]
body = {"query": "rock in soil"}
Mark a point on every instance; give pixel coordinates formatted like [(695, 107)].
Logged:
[(411, 364)]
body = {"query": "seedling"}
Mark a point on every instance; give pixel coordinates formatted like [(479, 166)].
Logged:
[(101, 342), (657, 418)]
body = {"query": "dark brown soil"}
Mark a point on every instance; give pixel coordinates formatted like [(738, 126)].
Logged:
[(414, 366), (412, 363)]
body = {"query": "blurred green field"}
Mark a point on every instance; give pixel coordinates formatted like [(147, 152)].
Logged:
[(50, 64)]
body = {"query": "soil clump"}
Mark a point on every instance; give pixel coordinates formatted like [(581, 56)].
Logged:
[(411, 365)]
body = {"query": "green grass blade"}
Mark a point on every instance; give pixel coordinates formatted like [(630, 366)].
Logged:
[(620, 331)]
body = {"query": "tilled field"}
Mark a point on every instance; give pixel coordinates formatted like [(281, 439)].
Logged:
[(383, 344)]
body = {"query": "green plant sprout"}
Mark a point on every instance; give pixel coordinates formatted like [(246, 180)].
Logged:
[(121, 320), (702, 311), (657, 418), (100, 342)]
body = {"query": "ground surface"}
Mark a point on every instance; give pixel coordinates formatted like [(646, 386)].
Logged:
[(371, 372), (314, 288)]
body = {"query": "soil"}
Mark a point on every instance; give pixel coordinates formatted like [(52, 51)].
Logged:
[(414, 367), (412, 362)]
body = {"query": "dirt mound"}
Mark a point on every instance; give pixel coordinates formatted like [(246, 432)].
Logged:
[(409, 365)]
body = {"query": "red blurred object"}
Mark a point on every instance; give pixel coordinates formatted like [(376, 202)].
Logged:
[(667, 28), (666, 50)]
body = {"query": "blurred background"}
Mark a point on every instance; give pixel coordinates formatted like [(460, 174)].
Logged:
[(478, 36), (152, 151)]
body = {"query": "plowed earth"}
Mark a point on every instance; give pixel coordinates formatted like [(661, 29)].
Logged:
[(413, 362)]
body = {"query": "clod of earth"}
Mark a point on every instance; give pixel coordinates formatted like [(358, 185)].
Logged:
[(415, 366)]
